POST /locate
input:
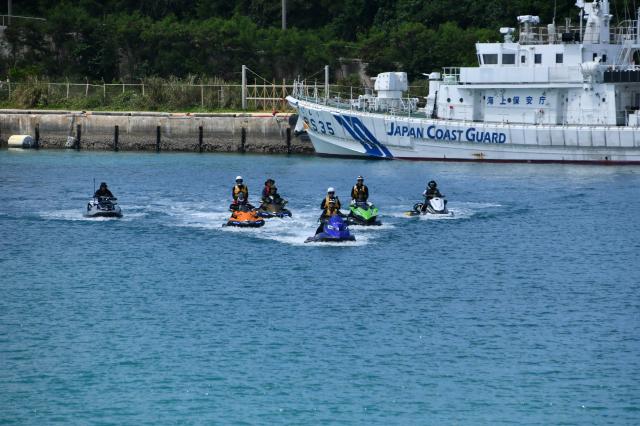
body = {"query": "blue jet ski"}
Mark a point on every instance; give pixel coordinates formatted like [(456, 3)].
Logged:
[(333, 230)]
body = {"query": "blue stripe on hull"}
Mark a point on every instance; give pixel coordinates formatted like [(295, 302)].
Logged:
[(360, 133)]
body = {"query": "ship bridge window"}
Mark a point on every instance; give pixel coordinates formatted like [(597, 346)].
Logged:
[(537, 58), (523, 59), (559, 58), (508, 59), (604, 59), (490, 59)]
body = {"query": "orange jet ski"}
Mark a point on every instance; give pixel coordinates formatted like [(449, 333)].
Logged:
[(245, 219)]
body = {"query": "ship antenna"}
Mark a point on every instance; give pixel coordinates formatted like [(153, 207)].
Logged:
[(555, 6), (94, 185)]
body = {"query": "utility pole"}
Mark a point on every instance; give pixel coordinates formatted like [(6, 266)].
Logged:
[(244, 87), (326, 81), (284, 14)]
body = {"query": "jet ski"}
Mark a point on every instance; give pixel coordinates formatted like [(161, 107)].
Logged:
[(234, 207), (437, 206), (363, 213), (103, 207), (271, 208), (244, 217), (333, 230)]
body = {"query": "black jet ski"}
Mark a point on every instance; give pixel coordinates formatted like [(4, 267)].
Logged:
[(103, 207), (273, 208)]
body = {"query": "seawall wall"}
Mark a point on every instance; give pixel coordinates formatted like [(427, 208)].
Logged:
[(150, 131)]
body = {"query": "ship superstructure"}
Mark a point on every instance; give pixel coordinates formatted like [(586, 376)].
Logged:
[(544, 93)]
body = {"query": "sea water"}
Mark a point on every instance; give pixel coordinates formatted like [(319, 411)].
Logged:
[(524, 307)]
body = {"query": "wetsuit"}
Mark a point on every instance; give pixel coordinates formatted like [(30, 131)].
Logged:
[(430, 193), (103, 192)]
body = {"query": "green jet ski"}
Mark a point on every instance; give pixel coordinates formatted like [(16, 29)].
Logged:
[(363, 213)]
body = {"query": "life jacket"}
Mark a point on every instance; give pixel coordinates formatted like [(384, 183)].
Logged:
[(328, 210), (359, 193), (240, 188)]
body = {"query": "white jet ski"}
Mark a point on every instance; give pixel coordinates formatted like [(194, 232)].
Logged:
[(103, 207), (437, 206)]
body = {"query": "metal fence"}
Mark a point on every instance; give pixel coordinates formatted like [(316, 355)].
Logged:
[(6, 20), (190, 96), (260, 97)]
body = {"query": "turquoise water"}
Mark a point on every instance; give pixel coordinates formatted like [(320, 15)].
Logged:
[(524, 308)]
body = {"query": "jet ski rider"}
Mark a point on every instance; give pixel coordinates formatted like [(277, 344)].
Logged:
[(330, 206), (360, 192), (430, 192), (240, 188), (266, 191), (273, 197), (103, 191)]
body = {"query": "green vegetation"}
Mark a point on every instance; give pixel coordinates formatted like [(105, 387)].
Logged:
[(108, 41), (190, 94)]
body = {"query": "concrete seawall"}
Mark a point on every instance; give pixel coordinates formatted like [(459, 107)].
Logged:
[(149, 131)]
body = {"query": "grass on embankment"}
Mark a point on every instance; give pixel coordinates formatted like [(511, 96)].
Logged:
[(166, 95)]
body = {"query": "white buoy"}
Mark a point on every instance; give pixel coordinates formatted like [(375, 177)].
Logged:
[(21, 141)]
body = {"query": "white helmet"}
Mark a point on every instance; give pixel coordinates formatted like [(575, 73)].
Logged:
[(330, 189), (238, 177)]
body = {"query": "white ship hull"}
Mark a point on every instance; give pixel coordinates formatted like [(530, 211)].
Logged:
[(339, 132)]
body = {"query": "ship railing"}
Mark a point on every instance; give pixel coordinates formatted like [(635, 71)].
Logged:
[(541, 35), (404, 107), (359, 98), (624, 32), (451, 75)]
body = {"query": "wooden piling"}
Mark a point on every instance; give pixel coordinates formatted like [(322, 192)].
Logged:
[(200, 138), (116, 132), (37, 134), (157, 138), (78, 135), (288, 140), (243, 139)]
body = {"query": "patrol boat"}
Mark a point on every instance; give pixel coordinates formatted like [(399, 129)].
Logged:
[(560, 93)]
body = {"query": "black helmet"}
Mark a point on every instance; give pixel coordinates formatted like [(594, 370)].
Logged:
[(103, 184), (359, 178), (432, 184)]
